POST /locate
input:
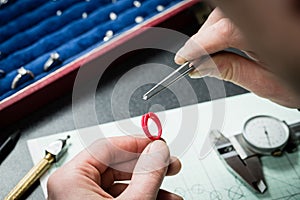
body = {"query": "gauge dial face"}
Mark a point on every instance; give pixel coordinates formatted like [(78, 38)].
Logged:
[(266, 133)]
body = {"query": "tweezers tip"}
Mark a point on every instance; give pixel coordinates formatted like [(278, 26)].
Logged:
[(145, 97), (261, 186)]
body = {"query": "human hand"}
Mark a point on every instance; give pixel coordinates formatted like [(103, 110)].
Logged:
[(93, 173), (219, 33)]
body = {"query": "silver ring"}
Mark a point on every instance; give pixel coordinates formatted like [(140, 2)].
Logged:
[(21, 72), (54, 57)]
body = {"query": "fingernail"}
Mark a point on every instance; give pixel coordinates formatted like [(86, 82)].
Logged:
[(160, 150), (194, 74), (156, 146), (179, 60)]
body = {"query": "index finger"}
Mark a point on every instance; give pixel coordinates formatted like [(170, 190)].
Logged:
[(181, 56), (216, 35), (110, 151), (214, 16)]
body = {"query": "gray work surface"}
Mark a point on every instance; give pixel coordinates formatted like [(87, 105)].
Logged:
[(57, 116)]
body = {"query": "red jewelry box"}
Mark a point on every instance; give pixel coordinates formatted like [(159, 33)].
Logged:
[(61, 81)]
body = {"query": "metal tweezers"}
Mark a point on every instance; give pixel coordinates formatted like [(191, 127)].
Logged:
[(170, 79), (184, 70)]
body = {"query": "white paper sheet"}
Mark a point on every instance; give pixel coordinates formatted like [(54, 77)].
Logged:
[(201, 177)]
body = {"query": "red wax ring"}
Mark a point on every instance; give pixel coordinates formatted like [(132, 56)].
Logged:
[(154, 117)]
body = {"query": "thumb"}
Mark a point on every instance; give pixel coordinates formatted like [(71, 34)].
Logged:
[(149, 172), (248, 74), (231, 67)]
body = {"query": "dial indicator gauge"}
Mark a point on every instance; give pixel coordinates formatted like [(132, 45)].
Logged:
[(265, 134)]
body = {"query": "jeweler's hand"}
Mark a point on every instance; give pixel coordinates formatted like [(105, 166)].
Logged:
[(93, 173), (219, 33)]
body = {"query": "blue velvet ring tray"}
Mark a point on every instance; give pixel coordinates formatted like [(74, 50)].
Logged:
[(44, 43), (30, 31)]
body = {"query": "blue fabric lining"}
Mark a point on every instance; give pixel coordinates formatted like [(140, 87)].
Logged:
[(18, 8), (30, 19), (62, 36), (74, 39), (48, 26)]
